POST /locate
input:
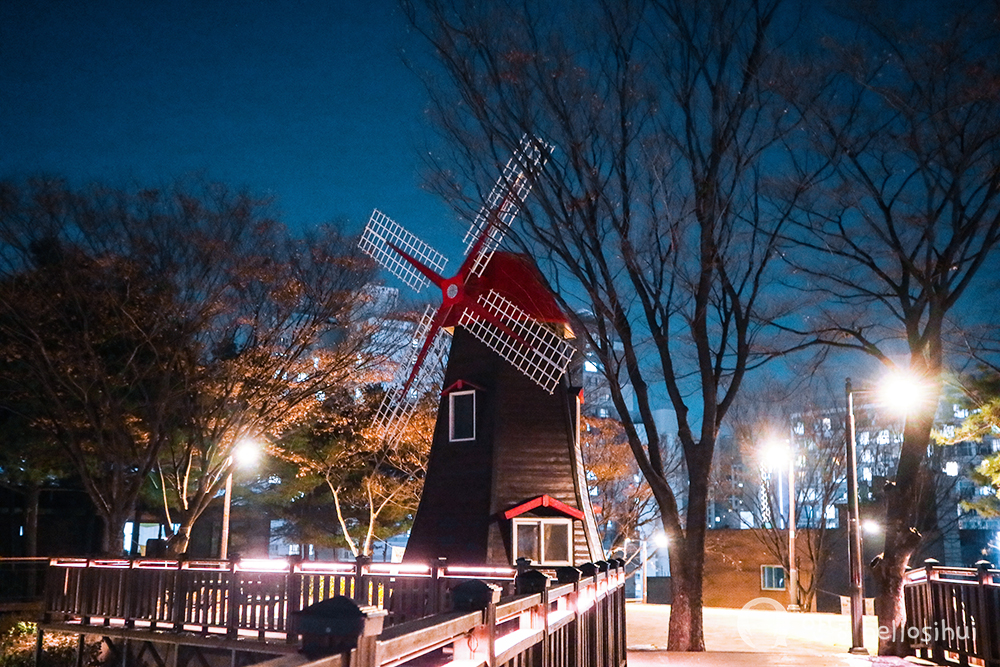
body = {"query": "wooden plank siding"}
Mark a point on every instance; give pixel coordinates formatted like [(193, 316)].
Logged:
[(526, 446)]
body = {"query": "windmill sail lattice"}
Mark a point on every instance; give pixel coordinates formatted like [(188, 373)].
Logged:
[(401, 399), (467, 300), (382, 234), (504, 202), (536, 351)]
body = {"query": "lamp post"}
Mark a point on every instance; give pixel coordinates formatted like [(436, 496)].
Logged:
[(793, 570), (245, 451), (853, 533), (778, 454)]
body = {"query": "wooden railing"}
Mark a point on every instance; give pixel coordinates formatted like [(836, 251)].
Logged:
[(243, 597), (953, 614), (576, 621)]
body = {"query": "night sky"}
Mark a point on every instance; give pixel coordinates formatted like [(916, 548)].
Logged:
[(306, 101)]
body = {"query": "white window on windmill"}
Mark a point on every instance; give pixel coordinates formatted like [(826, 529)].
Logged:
[(461, 411), (542, 531), (545, 541)]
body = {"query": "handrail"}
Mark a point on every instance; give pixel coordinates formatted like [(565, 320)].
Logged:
[(953, 613), (580, 623)]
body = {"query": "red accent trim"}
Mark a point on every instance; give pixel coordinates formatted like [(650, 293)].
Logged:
[(543, 501), (460, 385)]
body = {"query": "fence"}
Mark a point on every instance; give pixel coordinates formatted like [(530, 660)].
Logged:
[(244, 597), (953, 614), (248, 607)]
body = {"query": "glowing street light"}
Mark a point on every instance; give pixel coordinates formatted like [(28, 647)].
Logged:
[(245, 452), (902, 393), (871, 527), (774, 456)]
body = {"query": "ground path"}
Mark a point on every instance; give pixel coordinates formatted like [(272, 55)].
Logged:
[(748, 637)]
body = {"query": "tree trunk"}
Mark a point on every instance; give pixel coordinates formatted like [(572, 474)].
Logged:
[(31, 503), (179, 541), (891, 609), (113, 535), (687, 565)]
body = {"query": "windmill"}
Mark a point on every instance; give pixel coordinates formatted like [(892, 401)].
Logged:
[(470, 298), (505, 476)]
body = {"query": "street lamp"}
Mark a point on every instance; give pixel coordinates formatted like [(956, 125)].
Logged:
[(245, 452), (853, 534), (900, 392), (778, 454)]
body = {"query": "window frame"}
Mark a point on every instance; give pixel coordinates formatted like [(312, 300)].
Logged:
[(764, 569), (451, 415), (541, 522)]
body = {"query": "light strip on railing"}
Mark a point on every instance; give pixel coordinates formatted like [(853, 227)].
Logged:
[(319, 567), (262, 565), (155, 564), (68, 562), (496, 571), (205, 565), (111, 563), (398, 568)]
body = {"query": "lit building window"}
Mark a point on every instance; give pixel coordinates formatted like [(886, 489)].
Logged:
[(951, 468), (772, 578)]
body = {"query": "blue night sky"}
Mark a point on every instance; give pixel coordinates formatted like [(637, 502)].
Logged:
[(303, 100)]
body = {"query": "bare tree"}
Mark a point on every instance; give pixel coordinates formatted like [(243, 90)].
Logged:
[(374, 485), (647, 215), (289, 324), (622, 500), (97, 348), (906, 211)]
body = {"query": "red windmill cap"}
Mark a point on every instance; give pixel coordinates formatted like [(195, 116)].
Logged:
[(516, 278)]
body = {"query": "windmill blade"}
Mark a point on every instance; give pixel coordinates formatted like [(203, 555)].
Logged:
[(378, 239), (412, 377), (534, 349), (504, 202)]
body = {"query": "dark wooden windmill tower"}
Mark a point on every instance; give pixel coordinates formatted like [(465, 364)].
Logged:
[(505, 477)]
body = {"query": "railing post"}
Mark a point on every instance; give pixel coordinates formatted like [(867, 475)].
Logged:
[(361, 563), (592, 635), (128, 594), (438, 568), (233, 598), (338, 625), (571, 575), (618, 609), (293, 593), (179, 595), (83, 593), (39, 646), (933, 607), (603, 614), (48, 594), (478, 595), (534, 582), (988, 626)]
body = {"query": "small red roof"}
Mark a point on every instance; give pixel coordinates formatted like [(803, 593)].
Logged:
[(543, 501)]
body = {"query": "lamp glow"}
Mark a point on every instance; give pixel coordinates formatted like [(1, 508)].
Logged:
[(246, 452), (902, 392)]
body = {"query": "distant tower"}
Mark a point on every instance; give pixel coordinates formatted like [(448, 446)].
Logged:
[(505, 477)]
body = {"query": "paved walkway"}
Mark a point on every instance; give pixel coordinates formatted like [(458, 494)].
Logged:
[(745, 637)]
